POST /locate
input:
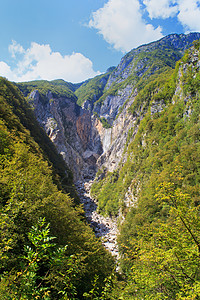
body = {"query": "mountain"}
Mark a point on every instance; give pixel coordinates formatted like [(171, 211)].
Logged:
[(47, 250), (134, 131), (150, 94), (154, 189), (93, 135), (68, 125), (91, 90), (135, 68)]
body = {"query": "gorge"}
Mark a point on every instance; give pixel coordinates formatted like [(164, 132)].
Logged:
[(126, 145), (92, 126)]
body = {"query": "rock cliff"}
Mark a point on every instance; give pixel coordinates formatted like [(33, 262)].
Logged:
[(73, 116), (71, 129), (135, 68), (93, 123)]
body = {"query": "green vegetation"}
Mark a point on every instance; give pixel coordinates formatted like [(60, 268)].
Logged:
[(160, 237), (47, 251), (92, 89), (158, 90), (35, 207), (144, 67), (58, 88), (18, 115), (114, 185), (105, 123)]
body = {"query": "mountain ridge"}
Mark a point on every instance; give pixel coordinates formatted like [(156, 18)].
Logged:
[(38, 204), (102, 101), (138, 143)]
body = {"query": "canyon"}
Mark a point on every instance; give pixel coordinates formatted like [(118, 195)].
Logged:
[(94, 135), (100, 180)]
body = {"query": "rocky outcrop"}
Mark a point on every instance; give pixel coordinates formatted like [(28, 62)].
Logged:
[(79, 135), (114, 139), (112, 103), (137, 65), (179, 42), (114, 108), (71, 129)]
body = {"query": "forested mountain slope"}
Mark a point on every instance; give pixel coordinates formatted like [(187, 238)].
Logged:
[(136, 68), (47, 251), (157, 188), (138, 125), (94, 135)]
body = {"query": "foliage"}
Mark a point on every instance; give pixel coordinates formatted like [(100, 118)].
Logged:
[(160, 236), (18, 116), (105, 123), (58, 88), (92, 89), (166, 255), (42, 262), (29, 190)]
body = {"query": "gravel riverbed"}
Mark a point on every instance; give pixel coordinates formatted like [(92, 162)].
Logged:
[(104, 227)]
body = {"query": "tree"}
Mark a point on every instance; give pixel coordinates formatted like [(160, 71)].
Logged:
[(42, 269), (167, 260)]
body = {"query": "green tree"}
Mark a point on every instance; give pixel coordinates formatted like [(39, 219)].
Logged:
[(166, 260), (41, 267)]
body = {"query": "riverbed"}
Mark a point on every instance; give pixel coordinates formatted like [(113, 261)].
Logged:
[(105, 228)]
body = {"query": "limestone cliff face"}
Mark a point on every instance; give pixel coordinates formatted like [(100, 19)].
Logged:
[(112, 103), (76, 131), (114, 139), (135, 67), (121, 90), (70, 128), (80, 137)]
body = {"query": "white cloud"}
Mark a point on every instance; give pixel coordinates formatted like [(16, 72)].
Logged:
[(189, 14), (186, 11), (121, 24), (5, 70), (15, 48), (161, 9), (40, 62)]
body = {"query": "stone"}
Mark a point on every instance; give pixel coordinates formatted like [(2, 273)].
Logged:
[(104, 227), (71, 130)]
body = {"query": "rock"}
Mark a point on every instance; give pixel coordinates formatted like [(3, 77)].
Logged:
[(71, 130), (104, 227)]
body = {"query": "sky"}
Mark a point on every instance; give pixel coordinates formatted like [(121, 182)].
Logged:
[(78, 39)]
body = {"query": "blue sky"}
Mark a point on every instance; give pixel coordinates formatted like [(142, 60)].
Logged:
[(78, 39)]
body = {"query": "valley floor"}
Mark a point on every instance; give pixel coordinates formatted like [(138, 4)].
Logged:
[(104, 227)]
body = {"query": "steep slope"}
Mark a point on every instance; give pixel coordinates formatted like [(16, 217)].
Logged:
[(32, 266), (90, 91), (142, 132), (138, 66), (25, 114), (68, 125), (100, 127), (157, 187)]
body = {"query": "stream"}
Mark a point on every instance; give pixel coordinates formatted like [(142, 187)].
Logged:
[(105, 228)]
